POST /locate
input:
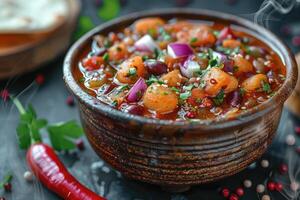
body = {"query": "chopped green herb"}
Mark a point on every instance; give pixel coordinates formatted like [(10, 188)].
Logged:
[(228, 51), (153, 79), (132, 71), (157, 52), (107, 43), (266, 87), (242, 91), (216, 33), (193, 40), (235, 68), (175, 89), (106, 57), (185, 95), (198, 100), (189, 87), (152, 32), (165, 36), (165, 93), (114, 103), (81, 80), (213, 63), (218, 100), (145, 58)]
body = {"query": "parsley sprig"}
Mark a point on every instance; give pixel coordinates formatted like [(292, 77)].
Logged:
[(62, 135), (218, 100)]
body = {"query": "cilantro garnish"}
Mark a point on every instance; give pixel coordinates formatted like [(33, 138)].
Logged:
[(106, 57), (152, 32), (235, 68), (218, 100), (213, 63), (145, 58), (132, 71), (157, 52), (153, 79), (266, 87), (193, 40), (189, 87), (185, 95), (175, 89), (165, 36), (62, 135), (228, 51), (242, 91), (216, 33)]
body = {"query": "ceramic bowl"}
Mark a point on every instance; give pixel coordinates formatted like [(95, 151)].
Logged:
[(176, 154)]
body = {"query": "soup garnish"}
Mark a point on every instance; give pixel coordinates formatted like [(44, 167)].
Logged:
[(180, 70)]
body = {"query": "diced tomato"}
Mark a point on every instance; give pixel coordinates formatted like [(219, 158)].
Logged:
[(93, 63)]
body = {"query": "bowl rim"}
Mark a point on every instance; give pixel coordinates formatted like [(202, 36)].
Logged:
[(250, 114)]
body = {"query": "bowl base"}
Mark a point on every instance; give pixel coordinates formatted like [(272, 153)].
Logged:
[(175, 189)]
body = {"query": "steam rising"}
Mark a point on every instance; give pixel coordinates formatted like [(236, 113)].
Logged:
[(268, 7)]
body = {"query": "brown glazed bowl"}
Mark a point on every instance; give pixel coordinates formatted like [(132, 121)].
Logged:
[(177, 154)]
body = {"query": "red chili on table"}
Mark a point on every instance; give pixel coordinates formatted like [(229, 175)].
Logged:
[(52, 173)]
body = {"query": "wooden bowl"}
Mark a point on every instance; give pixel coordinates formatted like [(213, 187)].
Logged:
[(177, 154), (24, 52)]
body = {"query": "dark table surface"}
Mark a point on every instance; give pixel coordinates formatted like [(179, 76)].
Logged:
[(49, 100)]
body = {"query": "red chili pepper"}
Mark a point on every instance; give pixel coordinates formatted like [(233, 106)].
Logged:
[(52, 173)]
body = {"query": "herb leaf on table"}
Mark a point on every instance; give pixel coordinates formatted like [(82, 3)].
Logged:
[(62, 135)]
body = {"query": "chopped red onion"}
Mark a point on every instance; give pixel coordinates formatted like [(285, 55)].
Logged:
[(234, 98), (176, 50), (190, 67), (146, 43), (226, 33), (137, 90), (222, 58)]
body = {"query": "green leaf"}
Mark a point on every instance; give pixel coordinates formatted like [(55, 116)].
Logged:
[(62, 135), (40, 123), (35, 134), (266, 87), (109, 10), (218, 100), (185, 95), (23, 134), (26, 117), (84, 25), (31, 111)]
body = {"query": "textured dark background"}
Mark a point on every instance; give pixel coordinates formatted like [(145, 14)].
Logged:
[(49, 100)]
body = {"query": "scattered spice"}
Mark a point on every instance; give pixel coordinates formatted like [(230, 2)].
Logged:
[(28, 176), (80, 144), (40, 79), (271, 185), (283, 168), (225, 192), (4, 94), (70, 101)]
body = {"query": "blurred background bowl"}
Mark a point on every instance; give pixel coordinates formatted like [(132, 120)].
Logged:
[(25, 52)]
